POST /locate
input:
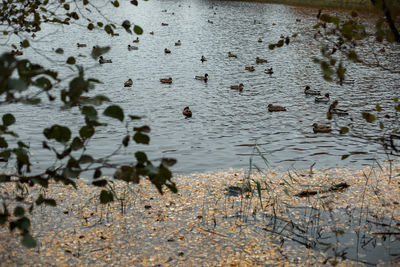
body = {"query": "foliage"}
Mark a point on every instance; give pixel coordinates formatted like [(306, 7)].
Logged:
[(24, 82)]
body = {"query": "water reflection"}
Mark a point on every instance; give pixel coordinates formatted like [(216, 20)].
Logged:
[(225, 122)]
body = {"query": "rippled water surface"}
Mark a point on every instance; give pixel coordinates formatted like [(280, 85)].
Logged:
[(225, 123)]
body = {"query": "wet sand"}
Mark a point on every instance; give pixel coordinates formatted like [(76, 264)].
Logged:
[(208, 223)]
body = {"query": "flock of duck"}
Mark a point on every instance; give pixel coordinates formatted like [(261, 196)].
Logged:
[(317, 128)]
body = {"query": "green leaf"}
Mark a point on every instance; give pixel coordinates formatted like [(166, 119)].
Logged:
[(25, 43), (59, 133), (378, 108), (106, 197), (43, 83), (381, 125), (71, 61), (23, 223), (344, 130), (76, 144), (141, 138), (3, 142), (28, 241), (97, 173), (86, 159), (19, 211), (137, 29), (368, 117), (86, 132), (59, 51), (353, 56), (125, 141), (108, 29), (141, 156), (8, 119), (396, 99), (115, 112), (90, 113), (100, 24)]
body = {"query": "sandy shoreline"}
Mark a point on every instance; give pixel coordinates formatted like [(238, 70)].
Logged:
[(202, 225)]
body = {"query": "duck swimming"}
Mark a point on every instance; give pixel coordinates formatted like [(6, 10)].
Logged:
[(178, 43), (132, 47), (249, 68), (128, 83), (80, 45), (321, 128), (272, 108), (202, 78), (337, 111), (237, 87), (203, 58), (167, 51), (261, 60), (269, 71), (322, 99), (231, 55), (187, 112), (166, 80), (259, 40), (308, 91), (102, 60), (136, 41)]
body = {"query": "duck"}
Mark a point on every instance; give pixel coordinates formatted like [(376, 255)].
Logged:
[(102, 60), (308, 91), (209, 21), (136, 41), (231, 55), (187, 112), (178, 43), (164, 24), (16, 53), (249, 68), (269, 71), (203, 58), (167, 51), (259, 40), (261, 60), (337, 111), (166, 80), (237, 87), (202, 78), (114, 34), (322, 99), (132, 47), (287, 40), (33, 35), (321, 128), (128, 83), (152, 33), (272, 108), (80, 45)]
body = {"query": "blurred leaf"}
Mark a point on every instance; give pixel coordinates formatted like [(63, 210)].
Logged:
[(137, 29), (43, 83), (90, 26), (76, 144), (141, 156), (345, 156), (106, 197), (344, 130), (28, 241), (19, 211), (141, 138), (97, 173), (115, 3), (25, 43), (8, 119), (86, 132), (100, 183), (59, 51), (98, 51), (86, 159), (168, 162), (89, 112), (114, 111), (59, 133), (125, 141), (381, 125), (378, 108), (127, 25), (352, 55), (71, 61), (127, 174), (3, 143), (368, 117)]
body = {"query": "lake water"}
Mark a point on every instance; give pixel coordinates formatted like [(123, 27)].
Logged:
[(225, 123)]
